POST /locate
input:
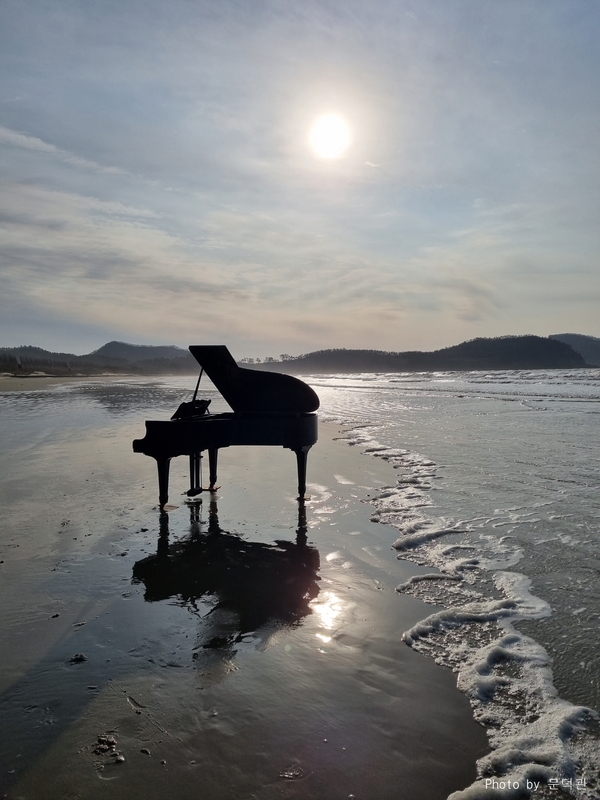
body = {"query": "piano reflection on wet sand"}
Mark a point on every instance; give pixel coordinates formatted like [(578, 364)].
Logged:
[(268, 409)]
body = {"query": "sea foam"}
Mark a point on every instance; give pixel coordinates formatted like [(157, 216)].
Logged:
[(536, 738)]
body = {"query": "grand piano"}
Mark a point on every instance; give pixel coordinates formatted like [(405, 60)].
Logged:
[(268, 409)]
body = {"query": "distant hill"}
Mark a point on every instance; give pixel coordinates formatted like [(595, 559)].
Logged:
[(507, 352), (587, 346), (138, 352), (114, 357)]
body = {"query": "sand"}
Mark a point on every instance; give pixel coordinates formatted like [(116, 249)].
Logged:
[(223, 665), (27, 383)]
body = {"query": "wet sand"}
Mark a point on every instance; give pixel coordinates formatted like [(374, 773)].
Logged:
[(245, 668), (28, 383)]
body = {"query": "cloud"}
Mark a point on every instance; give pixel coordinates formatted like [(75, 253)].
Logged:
[(26, 142), (477, 212), (89, 260), (261, 277)]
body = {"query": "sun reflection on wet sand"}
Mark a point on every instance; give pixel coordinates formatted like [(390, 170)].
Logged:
[(327, 608)]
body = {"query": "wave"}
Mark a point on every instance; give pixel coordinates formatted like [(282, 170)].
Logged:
[(536, 737)]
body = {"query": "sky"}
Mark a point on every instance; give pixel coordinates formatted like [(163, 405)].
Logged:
[(159, 185)]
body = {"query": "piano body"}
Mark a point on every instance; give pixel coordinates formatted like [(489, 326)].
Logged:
[(268, 409)]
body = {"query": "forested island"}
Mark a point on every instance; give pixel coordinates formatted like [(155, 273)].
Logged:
[(560, 351)]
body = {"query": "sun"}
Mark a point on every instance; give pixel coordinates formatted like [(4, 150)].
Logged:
[(329, 136)]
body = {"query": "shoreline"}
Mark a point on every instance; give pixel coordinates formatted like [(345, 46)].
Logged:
[(16, 383)]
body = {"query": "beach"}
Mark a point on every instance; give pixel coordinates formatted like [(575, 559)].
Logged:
[(425, 625), (133, 670)]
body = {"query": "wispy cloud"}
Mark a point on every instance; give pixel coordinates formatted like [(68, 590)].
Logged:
[(26, 142)]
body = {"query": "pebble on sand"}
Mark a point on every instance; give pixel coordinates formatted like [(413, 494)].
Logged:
[(78, 658)]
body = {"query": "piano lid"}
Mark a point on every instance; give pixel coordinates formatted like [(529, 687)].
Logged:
[(251, 391)]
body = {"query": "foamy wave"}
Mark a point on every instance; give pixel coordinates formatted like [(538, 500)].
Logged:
[(531, 730), (535, 736)]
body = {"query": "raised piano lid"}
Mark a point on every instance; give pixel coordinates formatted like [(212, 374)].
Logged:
[(251, 391)]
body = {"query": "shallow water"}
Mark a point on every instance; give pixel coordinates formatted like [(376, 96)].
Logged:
[(498, 484), (241, 649)]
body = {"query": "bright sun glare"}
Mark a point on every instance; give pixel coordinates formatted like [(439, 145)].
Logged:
[(329, 136)]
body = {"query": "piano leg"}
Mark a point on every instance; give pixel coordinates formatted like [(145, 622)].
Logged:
[(301, 457), (195, 486), (212, 468), (163, 465)]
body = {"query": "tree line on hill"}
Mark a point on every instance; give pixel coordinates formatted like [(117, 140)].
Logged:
[(117, 358), (560, 351), (506, 352)]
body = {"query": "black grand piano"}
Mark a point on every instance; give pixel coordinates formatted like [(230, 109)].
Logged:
[(268, 409)]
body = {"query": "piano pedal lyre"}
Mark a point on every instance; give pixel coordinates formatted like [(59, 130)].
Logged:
[(196, 473)]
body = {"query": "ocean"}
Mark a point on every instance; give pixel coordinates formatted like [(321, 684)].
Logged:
[(458, 524), (498, 491)]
